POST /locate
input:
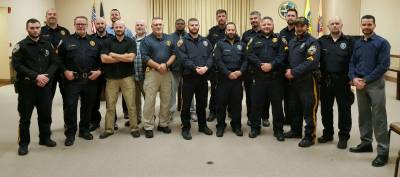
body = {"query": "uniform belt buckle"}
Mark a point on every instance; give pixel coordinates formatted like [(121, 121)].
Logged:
[(85, 75)]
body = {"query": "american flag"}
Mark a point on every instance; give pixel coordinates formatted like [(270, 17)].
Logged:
[(93, 20)]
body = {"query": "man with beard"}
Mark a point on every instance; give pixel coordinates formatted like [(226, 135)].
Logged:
[(115, 15), (336, 51), (370, 61), (303, 63), (80, 56), (35, 63), (117, 55), (287, 34), (196, 52), (255, 20), (265, 52), (230, 58), (215, 34), (158, 55), (101, 35)]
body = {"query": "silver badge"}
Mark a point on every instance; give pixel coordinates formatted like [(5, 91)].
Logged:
[(302, 45), (239, 47), (343, 45), (205, 43), (46, 53)]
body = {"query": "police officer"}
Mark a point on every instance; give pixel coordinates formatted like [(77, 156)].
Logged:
[(196, 52), (336, 51), (101, 35), (35, 63), (265, 53), (231, 61), (303, 63), (80, 55), (255, 20), (215, 34), (287, 34), (158, 54)]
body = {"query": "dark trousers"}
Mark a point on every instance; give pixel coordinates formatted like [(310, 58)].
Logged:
[(30, 96), (303, 104), (96, 115), (194, 85), (336, 87), (86, 90), (229, 93), (286, 101), (213, 77), (271, 88), (248, 79)]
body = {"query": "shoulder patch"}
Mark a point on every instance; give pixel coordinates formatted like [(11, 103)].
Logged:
[(16, 48), (62, 32), (312, 50)]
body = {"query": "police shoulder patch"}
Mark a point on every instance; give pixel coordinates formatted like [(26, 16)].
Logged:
[(62, 32), (312, 50), (16, 48)]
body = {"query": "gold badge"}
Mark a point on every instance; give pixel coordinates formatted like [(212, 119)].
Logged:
[(92, 43), (274, 40), (168, 43), (62, 32), (179, 43)]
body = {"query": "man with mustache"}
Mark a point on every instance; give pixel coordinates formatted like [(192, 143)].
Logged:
[(265, 52), (370, 61), (80, 58), (35, 62), (231, 61), (117, 56), (336, 51), (196, 52)]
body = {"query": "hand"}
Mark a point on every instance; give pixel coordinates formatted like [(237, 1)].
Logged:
[(94, 75), (42, 80), (237, 74), (266, 67), (69, 75), (289, 74), (162, 68), (358, 83), (232, 76), (201, 70)]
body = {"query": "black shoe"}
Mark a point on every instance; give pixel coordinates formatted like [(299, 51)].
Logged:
[(254, 133), (148, 133), (211, 117), (206, 130), (291, 134), (306, 142), (104, 135), (135, 134), (220, 132), (126, 116), (93, 127), (279, 136), (164, 129), (86, 135), (48, 143), (325, 139), (69, 141), (22, 150), (249, 123), (342, 144), (265, 123), (238, 131), (380, 161), (186, 134), (127, 124), (363, 147), (115, 126)]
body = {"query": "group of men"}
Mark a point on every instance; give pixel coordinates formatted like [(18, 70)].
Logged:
[(290, 71)]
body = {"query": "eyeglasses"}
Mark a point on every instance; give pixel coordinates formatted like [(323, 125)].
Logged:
[(80, 24)]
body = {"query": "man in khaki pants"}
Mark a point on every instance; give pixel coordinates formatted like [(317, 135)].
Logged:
[(158, 54), (117, 56)]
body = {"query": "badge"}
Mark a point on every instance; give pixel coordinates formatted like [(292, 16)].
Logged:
[(302, 45), (46, 52), (274, 40), (284, 41), (239, 47), (168, 43), (62, 32), (205, 43), (179, 43), (343, 45), (92, 43), (16, 48), (312, 50), (215, 35)]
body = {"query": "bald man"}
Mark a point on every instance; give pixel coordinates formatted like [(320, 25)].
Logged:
[(336, 51)]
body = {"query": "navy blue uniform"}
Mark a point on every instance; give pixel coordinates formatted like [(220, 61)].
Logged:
[(29, 59), (195, 52), (303, 59), (267, 49), (80, 55), (229, 57), (335, 59)]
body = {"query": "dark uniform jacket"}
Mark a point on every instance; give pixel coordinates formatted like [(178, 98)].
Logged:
[(230, 56)]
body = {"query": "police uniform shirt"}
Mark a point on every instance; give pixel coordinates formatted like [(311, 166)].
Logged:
[(230, 56), (335, 55), (195, 53), (80, 54), (266, 49), (31, 58), (287, 35), (121, 69), (54, 36), (247, 35), (177, 39), (304, 55), (157, 49), (215, 34)]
